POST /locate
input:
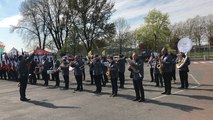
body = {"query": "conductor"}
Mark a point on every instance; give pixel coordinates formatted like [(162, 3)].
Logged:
[(23, 74)]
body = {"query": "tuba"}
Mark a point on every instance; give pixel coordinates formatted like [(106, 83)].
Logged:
[(184, 45)]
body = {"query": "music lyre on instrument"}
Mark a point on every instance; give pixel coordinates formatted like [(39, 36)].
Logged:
[(184, 45)]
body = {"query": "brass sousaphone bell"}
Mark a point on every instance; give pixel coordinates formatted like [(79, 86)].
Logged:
[(184, 46)]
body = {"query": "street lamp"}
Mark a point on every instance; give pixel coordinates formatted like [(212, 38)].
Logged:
[(155, 39)]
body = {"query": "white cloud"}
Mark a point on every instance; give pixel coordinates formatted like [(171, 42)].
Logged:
[(7, 22), (178, 10)]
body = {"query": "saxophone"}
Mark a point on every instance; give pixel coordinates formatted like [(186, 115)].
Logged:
[(108, 73), (160, 66)]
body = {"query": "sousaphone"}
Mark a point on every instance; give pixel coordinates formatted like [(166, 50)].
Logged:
[(184, 46)]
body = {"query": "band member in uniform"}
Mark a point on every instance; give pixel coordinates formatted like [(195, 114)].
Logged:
[(9, 70), (174, 59), (55, 66), (65, 72), (121, 68), (22, 70), (78, 71), (136, 66), (15, 74), (32, 76), (91, 69), (3, 70), (51, 67), (152, 66), (83, 68), (183, 71), (45, 67), (104, 76), (97, 72), (166, 61), (157, 72), (113, 67), (38, 68)]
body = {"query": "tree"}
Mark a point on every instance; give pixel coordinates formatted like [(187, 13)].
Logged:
[(209, 28), (155, 33), (122, 28), (44, 21), (32, 26), (91, 21), (58, 21)]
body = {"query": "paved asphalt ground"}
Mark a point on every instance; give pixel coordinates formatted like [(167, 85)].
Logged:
[(48, 103)]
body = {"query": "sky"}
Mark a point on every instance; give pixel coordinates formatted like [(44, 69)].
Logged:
[(133, 11)]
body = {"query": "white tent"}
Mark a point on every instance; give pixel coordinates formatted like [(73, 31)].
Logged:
[(13, 52)]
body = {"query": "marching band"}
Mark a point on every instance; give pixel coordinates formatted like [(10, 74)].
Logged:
[(101, 70)]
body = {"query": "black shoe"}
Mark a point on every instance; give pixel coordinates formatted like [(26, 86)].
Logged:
[(180, 87), (81, 90), (141, 100), (98, 92), (121, 87), (163, 93), (114, 95), (76, 89), (25, 99), (136, 99), (111, 95), (64, 88), (168, 93)]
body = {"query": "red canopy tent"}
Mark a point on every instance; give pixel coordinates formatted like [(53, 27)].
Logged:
[(39, 51)]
